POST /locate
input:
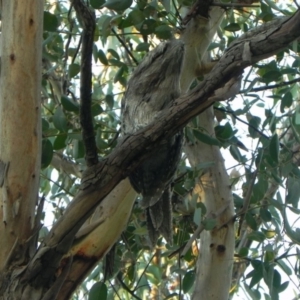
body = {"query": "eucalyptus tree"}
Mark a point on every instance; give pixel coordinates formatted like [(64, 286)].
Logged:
[(64, 70)]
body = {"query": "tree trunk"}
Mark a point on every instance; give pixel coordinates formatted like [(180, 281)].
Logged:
[(214, 264), (40, 274), (20, 132)]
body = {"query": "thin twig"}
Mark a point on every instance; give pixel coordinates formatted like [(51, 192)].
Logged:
[(125, 46), (247, 199), (180, 277), (177, 13), (137, 284), (113, 287), (248, 195), (233, 5), (242, 121), (77, 50), (126, 288), (273, 86)]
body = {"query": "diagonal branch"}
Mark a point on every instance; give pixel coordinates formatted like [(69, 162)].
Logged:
[(100, 179)]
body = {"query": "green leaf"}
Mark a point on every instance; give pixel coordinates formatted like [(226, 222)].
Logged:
[(45, 125), (259, 189), (224, 132), (96, 109), (131, 272), (286, 101), (140, 231), (238, 201), (232, 27), (118, 76), (125, 23), (68, 104), (273, 75), (197, 216), (115, 62), (254, 294), (254, 122), (60, 142), (109, 99), (78, 149), (209, 224), (47, 153), (251, 221), (116, 20), (147, 27), (50, 21), (98, 291), (95, 53), (105, 27), (167, 5), (114, 53), (293, 187), (266, 12), (236, 154), (285, 267), (154, 274), (101, 144), (256, 236), (274, 148), (142, 47), (265, 215), (243, 252), (257, 274), (60, 120), (269, 233), (164, 32), (74, 69), (117, 5), (283, 287), (102, 57), (97, 3), (204, 138), (136, 17), (188, 281), (186, 2)]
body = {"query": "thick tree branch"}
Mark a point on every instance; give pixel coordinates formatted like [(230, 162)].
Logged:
[(102, 178), (87, 20)]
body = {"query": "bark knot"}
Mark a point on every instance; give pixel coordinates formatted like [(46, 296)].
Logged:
[(221, 248)]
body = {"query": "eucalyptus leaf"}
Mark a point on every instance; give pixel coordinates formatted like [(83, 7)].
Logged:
[(188, 281), (117, 5), (47, 153), (60, 120), (50, 21), (98, 291)]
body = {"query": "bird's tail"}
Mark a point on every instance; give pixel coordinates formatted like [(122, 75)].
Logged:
[(159, 218)]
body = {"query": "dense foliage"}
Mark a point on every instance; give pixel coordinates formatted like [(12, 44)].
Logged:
[(259, 132)]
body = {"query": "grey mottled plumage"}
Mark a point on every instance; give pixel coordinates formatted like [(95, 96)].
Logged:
[(152, 87)]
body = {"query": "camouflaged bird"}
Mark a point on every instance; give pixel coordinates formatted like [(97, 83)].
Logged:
[(153, 87)]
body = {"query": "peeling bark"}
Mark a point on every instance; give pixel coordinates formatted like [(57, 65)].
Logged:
[(20, 135)]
